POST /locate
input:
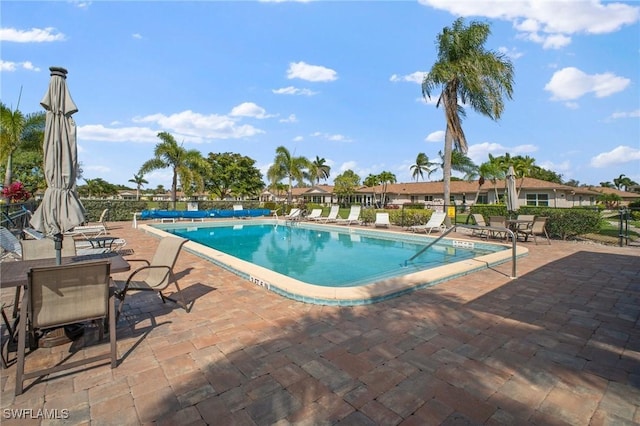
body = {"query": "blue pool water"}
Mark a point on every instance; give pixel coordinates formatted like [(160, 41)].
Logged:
[(329, 257)]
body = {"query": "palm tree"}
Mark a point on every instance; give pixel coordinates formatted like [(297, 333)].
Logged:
[(523, 166), (385, 179), (623, 182), (492, 170), (287, 166), (140, 181), (188, 165), (468, 73), (422, 165), (372, 181), (15, 128), (319, 170)]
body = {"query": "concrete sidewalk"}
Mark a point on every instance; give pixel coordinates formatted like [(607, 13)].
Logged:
[(559, 345)]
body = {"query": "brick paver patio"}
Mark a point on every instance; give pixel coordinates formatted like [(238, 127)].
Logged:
[(559, 345)]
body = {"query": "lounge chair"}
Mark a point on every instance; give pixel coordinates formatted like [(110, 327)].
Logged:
[(10, 244), (294, 214), (87, 231), (436, 221), (156, 275), (498, 222), (62, 295), (479, 221), (353, 218), (331, 217), (239, 211), (382, 220), (538, 228), (315, 214)]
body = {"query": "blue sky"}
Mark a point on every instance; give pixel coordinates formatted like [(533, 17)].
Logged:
[(339, 80)]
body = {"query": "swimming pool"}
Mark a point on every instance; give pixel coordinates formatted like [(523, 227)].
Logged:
[(328, 264)]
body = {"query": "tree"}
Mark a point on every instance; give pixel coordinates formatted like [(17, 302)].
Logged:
[(345, 185), (140, 181), (97, 187), (623, 183), (319, 170), (233, 174), (372, 181), (492, 171), (421, 166), (16, 129), (385, 179), (188, 165), (468, 73), (287, 166)]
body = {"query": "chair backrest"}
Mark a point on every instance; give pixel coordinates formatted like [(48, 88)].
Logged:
[(354, 213), (498, 221), (315, 213), (60, 295), (479, 219), (539, 224), (333, 213), (529, 217), (382, 217), (166, 255), (9, 242), (237, 207), (294, 213), (103, 216), (45, 248), (436, 219)]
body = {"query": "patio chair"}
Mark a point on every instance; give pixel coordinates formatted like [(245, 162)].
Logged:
[(479, 221), (10, 244), (331, 217), (61, 295), (294, 214), (353, 218), (538, 228), (498, 222), (315, 214), (382, 220), (523, 226), (45, 249), (156, 275), (436, 221)]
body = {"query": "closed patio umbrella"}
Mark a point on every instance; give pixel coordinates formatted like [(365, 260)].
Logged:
[(512, 192), (61, 209)]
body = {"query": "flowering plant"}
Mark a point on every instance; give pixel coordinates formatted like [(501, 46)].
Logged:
[(16, 193)]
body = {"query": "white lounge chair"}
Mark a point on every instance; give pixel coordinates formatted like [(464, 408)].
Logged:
[(353, 218), (436, 221), (315, 214), (10, 244), (382, 220), (331, 217), (294, 214)]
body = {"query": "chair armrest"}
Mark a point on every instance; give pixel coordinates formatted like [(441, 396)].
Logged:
[(139, 260), (144, 268)]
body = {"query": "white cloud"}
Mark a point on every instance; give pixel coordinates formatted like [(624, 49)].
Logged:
[(561, 168), (137, 36), (415, 77), (195, 127), (249, 109), (437, 136), (97, 132), (290, 90), (479, 153), (629, 114), (8, 66), (315, 73), (348, 165), (34, 35), (620, 154), (291, 119), (510, 53), (331, 137), (571, 83), (547, 22), (298, 139)]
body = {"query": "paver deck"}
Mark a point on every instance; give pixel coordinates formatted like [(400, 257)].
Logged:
[(559, 345)]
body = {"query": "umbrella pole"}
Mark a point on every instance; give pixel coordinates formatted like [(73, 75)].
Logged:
[(57, 238)]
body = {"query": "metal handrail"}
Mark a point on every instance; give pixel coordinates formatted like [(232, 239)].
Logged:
[(477, 227)]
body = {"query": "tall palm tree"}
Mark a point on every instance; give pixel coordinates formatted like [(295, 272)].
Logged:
[(468, 73), (140, 181), (285, 165), (422, 165), (523, 166), (372, 181), (188, 165), (492, 170), (319, 170), (16, 128), (461, 163), (385, 179)]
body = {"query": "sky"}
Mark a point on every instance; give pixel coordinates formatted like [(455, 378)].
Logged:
[(339, 80)]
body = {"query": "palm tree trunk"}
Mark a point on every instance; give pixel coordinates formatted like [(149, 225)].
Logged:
[(174, 189), (446, 174)]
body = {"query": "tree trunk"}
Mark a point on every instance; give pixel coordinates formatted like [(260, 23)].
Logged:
[(446, 174)]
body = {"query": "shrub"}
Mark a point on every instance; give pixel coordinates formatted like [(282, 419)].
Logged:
[(16, 192)]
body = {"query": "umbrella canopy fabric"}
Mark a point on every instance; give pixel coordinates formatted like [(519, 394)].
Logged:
[(512, 192), (61, 209)]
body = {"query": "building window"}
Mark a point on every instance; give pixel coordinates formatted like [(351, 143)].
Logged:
[(540, 200), (428, 197), (483, 199)]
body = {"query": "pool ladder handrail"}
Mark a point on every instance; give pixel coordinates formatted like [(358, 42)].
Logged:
[(476, 227)]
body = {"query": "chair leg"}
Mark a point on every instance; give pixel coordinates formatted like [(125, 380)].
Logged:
[(112, 330), (22, 337)]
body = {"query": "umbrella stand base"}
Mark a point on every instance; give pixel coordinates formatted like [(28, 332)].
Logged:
[(60, 336)]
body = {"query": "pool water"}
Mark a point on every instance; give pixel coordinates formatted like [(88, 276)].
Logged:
[(329, 257)]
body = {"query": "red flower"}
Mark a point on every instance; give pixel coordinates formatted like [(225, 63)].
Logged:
[(16, 192)]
